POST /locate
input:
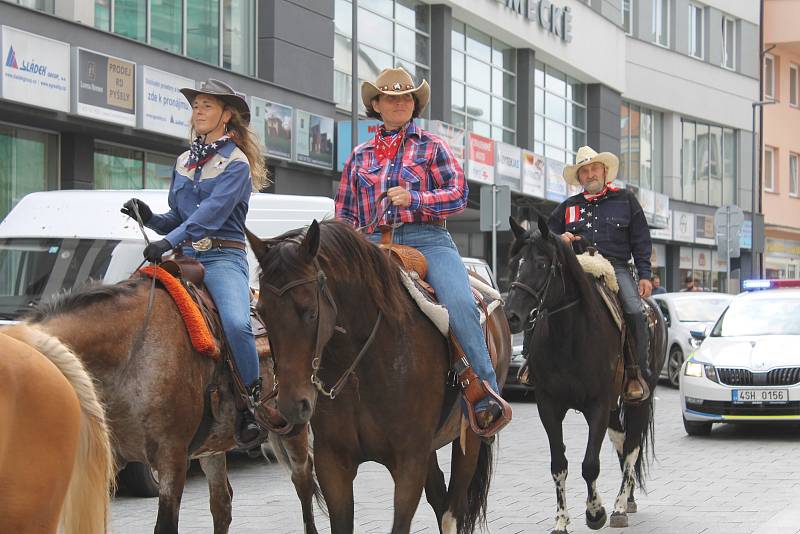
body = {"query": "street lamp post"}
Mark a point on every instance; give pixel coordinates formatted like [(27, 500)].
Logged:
[(354, 76), (755, 271)]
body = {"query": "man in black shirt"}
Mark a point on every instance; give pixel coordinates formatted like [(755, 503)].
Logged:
[(612, 221)]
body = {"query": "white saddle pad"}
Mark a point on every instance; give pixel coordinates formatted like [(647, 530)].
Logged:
[(599, 267)]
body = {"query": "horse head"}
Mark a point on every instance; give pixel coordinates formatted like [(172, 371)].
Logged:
[(535, 263), (300, 313)]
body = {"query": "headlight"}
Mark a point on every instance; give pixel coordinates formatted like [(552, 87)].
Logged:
[(698, 369)]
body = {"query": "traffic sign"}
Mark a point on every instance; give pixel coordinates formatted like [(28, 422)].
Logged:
[(502, 211), (728, 222)]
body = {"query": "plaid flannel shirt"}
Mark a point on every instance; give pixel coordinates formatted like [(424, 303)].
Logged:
[(429, 171)]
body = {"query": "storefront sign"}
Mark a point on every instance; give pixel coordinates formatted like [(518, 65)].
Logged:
[(746, 235), (454, 136), (508, 170), (701, 259), (647, 199), (313, 142), (35, 70), (685, 261), (661, 211), (551, 18), (704, 230), (658, 258), (533, 174), (556, 186), (163, 108), (273, 124), (366, 131), (683, 226), (105, 87), (786, 248), (480, 160), (665, 234)]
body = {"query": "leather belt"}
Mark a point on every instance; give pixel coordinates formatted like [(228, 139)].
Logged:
[(208, 243), (440, 222)]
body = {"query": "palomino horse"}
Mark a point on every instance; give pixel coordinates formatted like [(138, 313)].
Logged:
[(573, 347), (165, 402), (56, 463), (339, 314)]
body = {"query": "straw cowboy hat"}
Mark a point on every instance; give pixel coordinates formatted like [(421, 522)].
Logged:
[(395, 82), (586, 156), (221, 90)]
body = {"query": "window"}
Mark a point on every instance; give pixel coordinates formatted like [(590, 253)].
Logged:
[(484, 84), (237, 36), (202, 30), (166, 25), (769, 169), (769, 76), (47, 6), (661, 22), (794, 100), (708, 164), (102, 15), (627, 16), (119, 167), (130, 19), (559, 114), (28, 162), (696, 31), (728, 43), (391, 33), (640, 147), (793, 174)]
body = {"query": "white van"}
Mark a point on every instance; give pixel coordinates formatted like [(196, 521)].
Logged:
[(56, 240)]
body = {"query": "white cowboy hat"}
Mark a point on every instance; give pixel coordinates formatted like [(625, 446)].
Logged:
[(395, 82), (587, 155)]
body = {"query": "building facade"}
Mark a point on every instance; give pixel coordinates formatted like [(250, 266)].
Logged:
[(517, 87), (781, 143)]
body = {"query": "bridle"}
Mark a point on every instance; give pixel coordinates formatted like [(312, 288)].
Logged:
[(322, 289)]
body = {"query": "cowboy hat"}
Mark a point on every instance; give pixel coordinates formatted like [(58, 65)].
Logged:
[(220, 90), (395, 82), (586, 156)]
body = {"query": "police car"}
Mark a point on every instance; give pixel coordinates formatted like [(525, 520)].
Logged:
[(748, 367)]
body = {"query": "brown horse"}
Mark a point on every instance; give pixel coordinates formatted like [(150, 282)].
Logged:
[(166, 403), (56, 463), (335, 304)]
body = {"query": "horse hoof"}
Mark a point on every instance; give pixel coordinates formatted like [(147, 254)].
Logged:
[(596, 523), (632, 508), (618, 520)]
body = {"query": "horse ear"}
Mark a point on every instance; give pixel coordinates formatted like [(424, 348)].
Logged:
[(260, 248), (519, 231), (311, 241), (543, 228)]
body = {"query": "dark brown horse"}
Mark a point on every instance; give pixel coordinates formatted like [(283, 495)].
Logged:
[(159, 392), (573, 349), (335, 303)]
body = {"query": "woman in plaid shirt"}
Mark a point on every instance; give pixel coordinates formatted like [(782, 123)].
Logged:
[(424, 184)]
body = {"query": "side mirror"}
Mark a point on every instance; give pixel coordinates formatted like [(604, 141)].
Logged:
[(700, 335)]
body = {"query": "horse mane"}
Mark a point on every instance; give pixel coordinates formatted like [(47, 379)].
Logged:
[(348, 258), (71, 300)]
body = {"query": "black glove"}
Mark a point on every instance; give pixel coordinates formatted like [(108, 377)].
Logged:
[(156, 249), (144, 210)]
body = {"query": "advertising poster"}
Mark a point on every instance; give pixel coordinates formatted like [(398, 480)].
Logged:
[(685, 260), (556, 186), (313, 139), (663, 233), (647, 199), (273, 124), (35, 69), (661, 214), (508, 169), (533, 172), (683, 226), (366, 131), (105, 87), (453, 136), (480, 160), (163, 107), (701, 259), (704, 232)]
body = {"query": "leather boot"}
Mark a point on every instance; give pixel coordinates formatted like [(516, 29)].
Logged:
[(636, 388), (248, 431)]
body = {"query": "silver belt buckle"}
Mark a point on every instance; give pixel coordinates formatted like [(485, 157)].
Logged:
[(202, 245)]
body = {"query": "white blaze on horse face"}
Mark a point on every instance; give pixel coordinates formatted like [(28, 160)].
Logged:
[(618, 439), (594, 503), (562, 515), (621, 504), (449, 524)]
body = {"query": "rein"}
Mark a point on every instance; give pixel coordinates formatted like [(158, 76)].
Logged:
[(322, 289)]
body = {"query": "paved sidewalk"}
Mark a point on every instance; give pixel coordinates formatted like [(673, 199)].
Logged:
[(736, 481)]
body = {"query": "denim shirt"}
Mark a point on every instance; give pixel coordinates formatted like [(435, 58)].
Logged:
[(211, 202)]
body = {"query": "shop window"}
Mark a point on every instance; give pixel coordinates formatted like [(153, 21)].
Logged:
[(28, 163), (120, 167)]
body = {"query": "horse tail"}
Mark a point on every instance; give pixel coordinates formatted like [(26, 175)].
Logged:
[(647, 443), (86, 504), (478, 491), (282, 455)]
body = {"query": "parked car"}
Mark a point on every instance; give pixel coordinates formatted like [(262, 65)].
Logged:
[(748, 368), (482, 269), (685, 312)]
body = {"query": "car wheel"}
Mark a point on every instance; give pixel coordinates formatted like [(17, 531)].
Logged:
[(674, 363), (140, 479), (697, 428)]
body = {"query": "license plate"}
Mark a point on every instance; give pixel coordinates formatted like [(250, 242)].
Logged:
[(760, 395)]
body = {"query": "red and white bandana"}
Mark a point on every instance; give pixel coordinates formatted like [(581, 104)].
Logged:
[(590, 197), (386, 145)]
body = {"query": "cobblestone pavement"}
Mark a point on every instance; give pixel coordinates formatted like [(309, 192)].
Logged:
[(738, 480)]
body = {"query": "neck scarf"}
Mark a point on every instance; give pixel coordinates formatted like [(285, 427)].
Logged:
[(200, 153), (606, 189), (387, 143)]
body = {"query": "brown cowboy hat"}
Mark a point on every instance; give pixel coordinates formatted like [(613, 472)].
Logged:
[(221, 90), (395, 82)]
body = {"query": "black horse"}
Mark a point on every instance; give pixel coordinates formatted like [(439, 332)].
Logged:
[(573, 348)]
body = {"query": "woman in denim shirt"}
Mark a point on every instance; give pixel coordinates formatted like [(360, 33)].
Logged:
[(208, 201)]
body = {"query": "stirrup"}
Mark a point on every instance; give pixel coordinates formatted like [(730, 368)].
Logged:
[(633, 373), (473, 389)]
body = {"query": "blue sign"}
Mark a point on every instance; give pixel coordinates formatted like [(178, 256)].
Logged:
[(366, 130), (746, 236)]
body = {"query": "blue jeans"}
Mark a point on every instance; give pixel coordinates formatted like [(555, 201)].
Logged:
[(228, 282), (448, 276), (628, 290)]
